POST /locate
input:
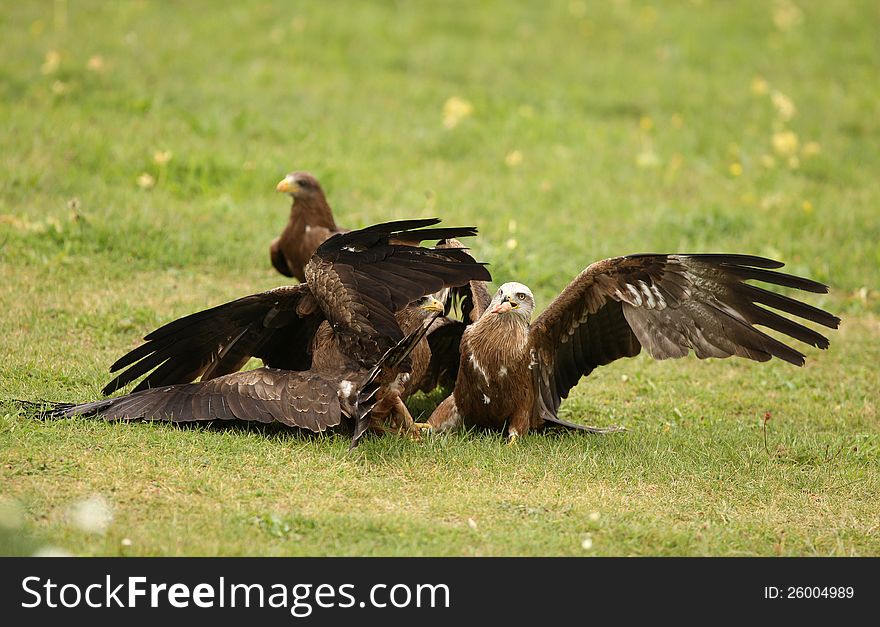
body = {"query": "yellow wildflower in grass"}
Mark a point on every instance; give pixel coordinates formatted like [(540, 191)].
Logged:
[(513, 158), (456, 109), (675, 163), (162, 157), (785, 108), (772, 201), (760, 86), (511, 243), (577, 8), (785, 143), (95, 63), (50, 65), (647, 158), (646, 123), (59, 88), (811, 149), (787, 15), (807, 206), (298, 24), (736, 169), (146, 181)]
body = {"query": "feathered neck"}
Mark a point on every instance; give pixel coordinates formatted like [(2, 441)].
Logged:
[(410, 318), (504, 333), (313, 212)]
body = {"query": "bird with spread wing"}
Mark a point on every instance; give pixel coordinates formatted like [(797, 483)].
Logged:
[(335, 347), (513, 374)]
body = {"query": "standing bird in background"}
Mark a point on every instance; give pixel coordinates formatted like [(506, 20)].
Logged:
[(337, 346), (513, 374), (309, 225)]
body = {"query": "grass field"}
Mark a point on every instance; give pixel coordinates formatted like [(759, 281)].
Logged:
[(140, 148)]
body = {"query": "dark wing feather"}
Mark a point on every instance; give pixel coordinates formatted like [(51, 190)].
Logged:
[(670, 304), (276, 326), (296, 399), (361, 278), (444, 340)]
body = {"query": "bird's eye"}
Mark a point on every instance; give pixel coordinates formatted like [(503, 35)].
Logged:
[(520, 295)]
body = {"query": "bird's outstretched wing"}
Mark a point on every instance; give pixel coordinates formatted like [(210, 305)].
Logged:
[(670, 304), (311, 400), (361, 278), (276, 326), (296, 399)]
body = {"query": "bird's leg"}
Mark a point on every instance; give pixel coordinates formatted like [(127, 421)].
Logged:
[(518, 425), (380, 414), (408, 425), (445, 417)]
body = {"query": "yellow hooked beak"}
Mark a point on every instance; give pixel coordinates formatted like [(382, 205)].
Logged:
[(432, 305), (504, 306), (288, 185)]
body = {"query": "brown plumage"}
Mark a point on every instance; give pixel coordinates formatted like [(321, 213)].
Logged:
[(444, 336), (516, 374), (359, 287), (309, 225)]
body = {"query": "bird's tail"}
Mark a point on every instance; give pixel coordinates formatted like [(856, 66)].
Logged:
[(553, 421), (392, 358)]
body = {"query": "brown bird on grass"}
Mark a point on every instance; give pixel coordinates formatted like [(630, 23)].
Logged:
[(513, 375), (336, 347), (309, 225)]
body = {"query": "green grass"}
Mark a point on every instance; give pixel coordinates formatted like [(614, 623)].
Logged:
[(639, 127)]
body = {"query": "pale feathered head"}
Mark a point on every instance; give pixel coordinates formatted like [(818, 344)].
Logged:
[(512, 299)]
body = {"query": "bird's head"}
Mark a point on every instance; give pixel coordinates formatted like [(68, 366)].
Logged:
[(300, 186), (429, 304), (514, 299)]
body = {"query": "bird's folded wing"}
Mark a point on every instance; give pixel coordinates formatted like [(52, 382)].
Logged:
[(670, 304), (444, 340), (276, 326)]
